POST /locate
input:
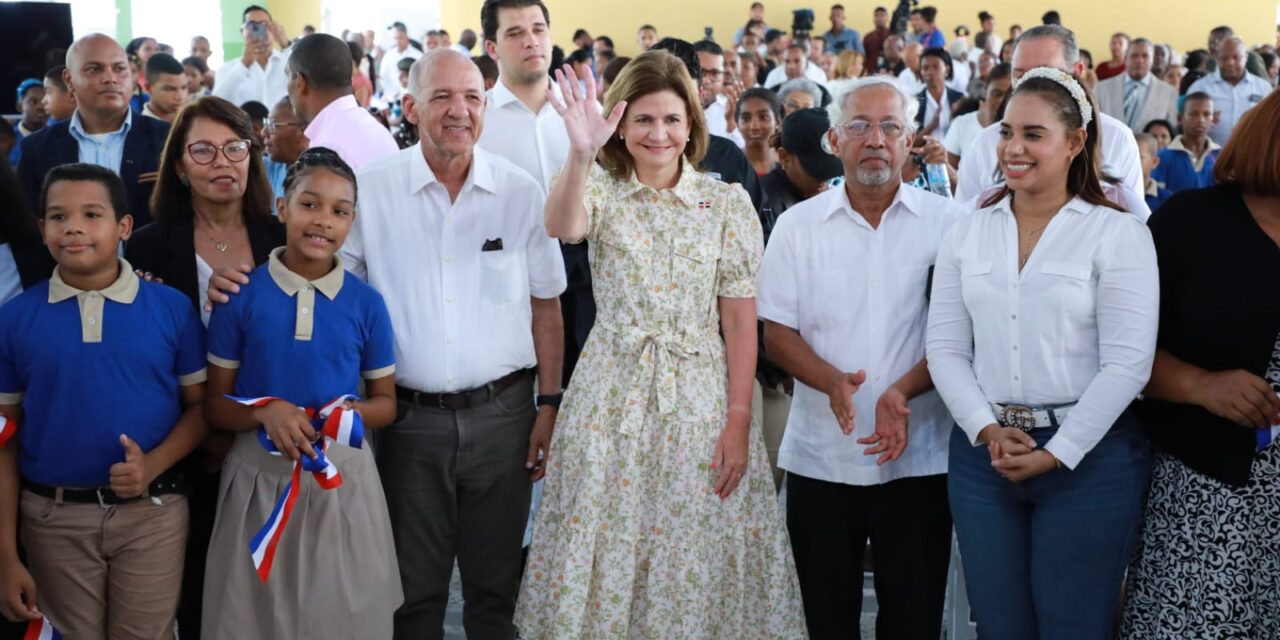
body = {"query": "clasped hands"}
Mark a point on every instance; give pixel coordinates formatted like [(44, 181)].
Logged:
[(1014, 453)]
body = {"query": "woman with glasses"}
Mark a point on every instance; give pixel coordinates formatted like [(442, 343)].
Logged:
[(212, 208), (1042, 332)]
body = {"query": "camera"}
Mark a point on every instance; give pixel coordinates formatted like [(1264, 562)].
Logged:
[(801, 23), (258, 30), (902, 16), (706, 34)]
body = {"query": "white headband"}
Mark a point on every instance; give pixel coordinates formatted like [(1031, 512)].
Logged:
[(1069, 83)]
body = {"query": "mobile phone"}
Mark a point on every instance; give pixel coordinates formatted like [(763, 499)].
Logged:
[(258, 30)]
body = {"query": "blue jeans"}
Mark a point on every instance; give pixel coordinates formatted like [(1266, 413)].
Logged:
[(1044, 558)]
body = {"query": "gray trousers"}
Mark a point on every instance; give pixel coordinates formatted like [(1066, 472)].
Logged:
[(457, 488)]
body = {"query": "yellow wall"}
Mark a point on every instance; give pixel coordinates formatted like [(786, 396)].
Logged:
[(1183, 23)]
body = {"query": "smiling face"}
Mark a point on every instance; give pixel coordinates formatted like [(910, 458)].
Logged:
[(317, 216), (80, 227), (1035, 147), (449, 108), (655, 130), (99, 76), (757, 121), (222, 181)]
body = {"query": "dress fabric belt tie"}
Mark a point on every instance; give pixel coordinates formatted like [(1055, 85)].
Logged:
[(335, 423), (658, 354)]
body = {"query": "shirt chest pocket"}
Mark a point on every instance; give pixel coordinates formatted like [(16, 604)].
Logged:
[(1068, 286), (975, 283), (502, 278), (692, 260)]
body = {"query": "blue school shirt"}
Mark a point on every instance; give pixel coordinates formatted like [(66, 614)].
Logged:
[(1179, 169), (87, 366), (288, 341), (1156, 195)]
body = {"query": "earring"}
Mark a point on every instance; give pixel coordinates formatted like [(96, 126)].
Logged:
[(185, 182)]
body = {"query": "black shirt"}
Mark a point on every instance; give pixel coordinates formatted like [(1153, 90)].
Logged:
[(727, 163), (1219, 310)]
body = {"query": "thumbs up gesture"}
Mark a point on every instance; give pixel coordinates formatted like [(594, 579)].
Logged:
[(129, 479)]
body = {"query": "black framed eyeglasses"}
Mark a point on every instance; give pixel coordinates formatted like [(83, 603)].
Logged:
[(206, 153)]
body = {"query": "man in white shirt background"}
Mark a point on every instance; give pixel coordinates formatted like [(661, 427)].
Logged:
[(909, 78), (1055, 46), (1234, 90), (259, 75), (387, 69), (453, 238), (795, 64), (843, 292), (1137, 97), (717, 107)]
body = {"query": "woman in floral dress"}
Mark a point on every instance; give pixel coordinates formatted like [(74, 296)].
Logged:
[(658, 519)]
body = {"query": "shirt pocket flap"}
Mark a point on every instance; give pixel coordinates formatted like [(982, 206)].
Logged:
[(1067, 269), (975, 268), (694, 249)]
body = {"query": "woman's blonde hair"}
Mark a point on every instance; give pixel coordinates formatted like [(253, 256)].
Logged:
[(845, 62), (652, 72)]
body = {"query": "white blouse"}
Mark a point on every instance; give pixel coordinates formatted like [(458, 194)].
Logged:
[(1078, 324)]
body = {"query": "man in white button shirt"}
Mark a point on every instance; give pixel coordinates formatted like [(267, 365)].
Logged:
[(710, 90), (1234, 90), (452, 237), (387, 69), (795, 64), (1055, 46), (843, 292), (259, 75)]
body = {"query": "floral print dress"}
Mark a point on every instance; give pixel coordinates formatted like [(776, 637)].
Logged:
[(631, 541)]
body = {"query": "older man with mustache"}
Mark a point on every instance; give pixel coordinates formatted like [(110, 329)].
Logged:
[(843, 292), (102, 130)]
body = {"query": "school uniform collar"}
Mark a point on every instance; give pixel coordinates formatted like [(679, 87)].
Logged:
[(124, 290), (686, 188), (291, 283), (906, 199), (1153, 189), (1177, 145), (479, 175)]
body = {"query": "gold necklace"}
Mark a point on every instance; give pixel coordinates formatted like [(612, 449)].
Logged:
[(1024, 246)]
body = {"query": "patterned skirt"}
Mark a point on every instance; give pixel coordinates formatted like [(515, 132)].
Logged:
[(1208, 567)]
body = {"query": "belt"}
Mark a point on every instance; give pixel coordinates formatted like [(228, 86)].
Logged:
[(656, 354), (104, 496), (462, 399), (1029, 418)]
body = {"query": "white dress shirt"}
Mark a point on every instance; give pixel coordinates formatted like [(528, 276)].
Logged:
[(1119, 159), (462, 316), (239, 84), (856, 295), (931, 107), (1078, 324), (779, 76), (1231, 100), (717, 125), (389, 73), (536, 143), (909, 83), (962, 132)]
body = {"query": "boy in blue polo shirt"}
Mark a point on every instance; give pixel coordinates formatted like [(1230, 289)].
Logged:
[(1187, 163), (104, 375)]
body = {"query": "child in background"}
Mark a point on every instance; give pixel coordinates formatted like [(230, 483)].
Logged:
[(1149, 154), (104, 374), (299, 338)]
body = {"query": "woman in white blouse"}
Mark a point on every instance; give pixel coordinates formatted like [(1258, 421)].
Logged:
[(1041, 334)]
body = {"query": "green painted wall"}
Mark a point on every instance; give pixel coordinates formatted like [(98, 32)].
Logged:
[(232, 42), (124, 20)]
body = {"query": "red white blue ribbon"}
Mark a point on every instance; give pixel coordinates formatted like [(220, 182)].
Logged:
[(335, 423), (41, 629), (8, 427)]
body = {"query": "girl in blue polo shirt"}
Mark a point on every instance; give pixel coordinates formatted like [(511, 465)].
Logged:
[(302, 543)]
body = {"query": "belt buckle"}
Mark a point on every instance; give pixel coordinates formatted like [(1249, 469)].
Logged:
[(1018, 417), (102, 501)]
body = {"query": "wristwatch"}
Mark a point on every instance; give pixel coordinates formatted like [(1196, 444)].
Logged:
[(549, 401)]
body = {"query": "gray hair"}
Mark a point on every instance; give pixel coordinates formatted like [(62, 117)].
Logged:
[(799, 84), (423, 65), (1070, 48), (910, 105), (1143, 42)]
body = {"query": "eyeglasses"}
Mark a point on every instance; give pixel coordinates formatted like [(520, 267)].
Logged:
[(861, 128), (271, 126), (712, 74), (205, 153)]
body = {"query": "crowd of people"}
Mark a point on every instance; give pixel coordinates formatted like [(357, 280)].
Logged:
[(284, 342)]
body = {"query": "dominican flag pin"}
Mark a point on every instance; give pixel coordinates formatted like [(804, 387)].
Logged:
[(704, 204), (41, 629)]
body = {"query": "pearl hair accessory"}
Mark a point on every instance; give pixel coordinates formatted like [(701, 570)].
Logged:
[(1069, 83)]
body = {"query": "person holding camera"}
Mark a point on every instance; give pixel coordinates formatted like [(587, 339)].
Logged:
[(260, 74)]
